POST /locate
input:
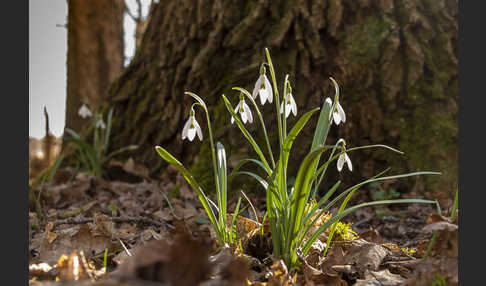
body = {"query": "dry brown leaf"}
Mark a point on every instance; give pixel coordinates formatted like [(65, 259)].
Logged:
[(184, 262), (437, 218), (335, 256), (314, 276), (425, 272), (366, 255), (446, 243), (372, 235), (278, 275), (72, 239), (380, 278), (103, 226)]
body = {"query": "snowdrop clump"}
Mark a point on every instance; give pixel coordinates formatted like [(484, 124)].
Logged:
[(93, 155), (289, 212)]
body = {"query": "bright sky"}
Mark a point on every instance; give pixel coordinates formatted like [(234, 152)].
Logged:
[(47, 61)]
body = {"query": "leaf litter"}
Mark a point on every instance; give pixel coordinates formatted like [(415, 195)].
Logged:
[(155, 232)]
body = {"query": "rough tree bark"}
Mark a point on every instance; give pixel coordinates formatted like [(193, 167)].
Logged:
[(95, 53), (395, 61)]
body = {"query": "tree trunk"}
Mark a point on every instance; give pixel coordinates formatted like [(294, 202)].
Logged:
[(95, 53), (395, 61)]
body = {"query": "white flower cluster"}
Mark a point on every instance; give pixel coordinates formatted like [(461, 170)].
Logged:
[(263, 89), (85, 112)]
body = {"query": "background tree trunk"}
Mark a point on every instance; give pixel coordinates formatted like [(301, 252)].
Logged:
[(95, 53), (395, 61)]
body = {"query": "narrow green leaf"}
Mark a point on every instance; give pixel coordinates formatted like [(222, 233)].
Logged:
[(300, 195), (108, 129), (233, 221), (242, 162), (194, 184), (455, 205), (251, 205), (118, 151), (322, 128), (350, 210)]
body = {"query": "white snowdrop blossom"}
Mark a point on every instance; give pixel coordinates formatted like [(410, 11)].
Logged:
[(191, 128), (344, 158), (244, 111), (84, 111), (263, 88), (100, 124), (290, 105), (337, 113)]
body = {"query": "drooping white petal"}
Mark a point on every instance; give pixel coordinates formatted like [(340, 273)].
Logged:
[(293, 105), (237, 108), (198, 129), (244, 118), (256, 89), (268, 88), (263, 95), (84, 111), (341, 113), (348, 161), (329, 101), (337, 117), (186, 128), (191, 133), (340, 162), (287, 108), (247, 111), (290, 105)]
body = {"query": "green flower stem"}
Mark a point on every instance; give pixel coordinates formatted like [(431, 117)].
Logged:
[(277, 99), (260, 117), (222, 218), (282, 183), (222, 222)]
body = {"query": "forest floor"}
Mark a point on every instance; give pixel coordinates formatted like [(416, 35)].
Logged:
[(155, 232)]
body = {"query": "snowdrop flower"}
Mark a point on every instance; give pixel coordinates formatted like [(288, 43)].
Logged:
[(84, 111), (344, 158), (191, 128), (337, 113), (244, 110), (290, 104), (263, 88), (100, 124)]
